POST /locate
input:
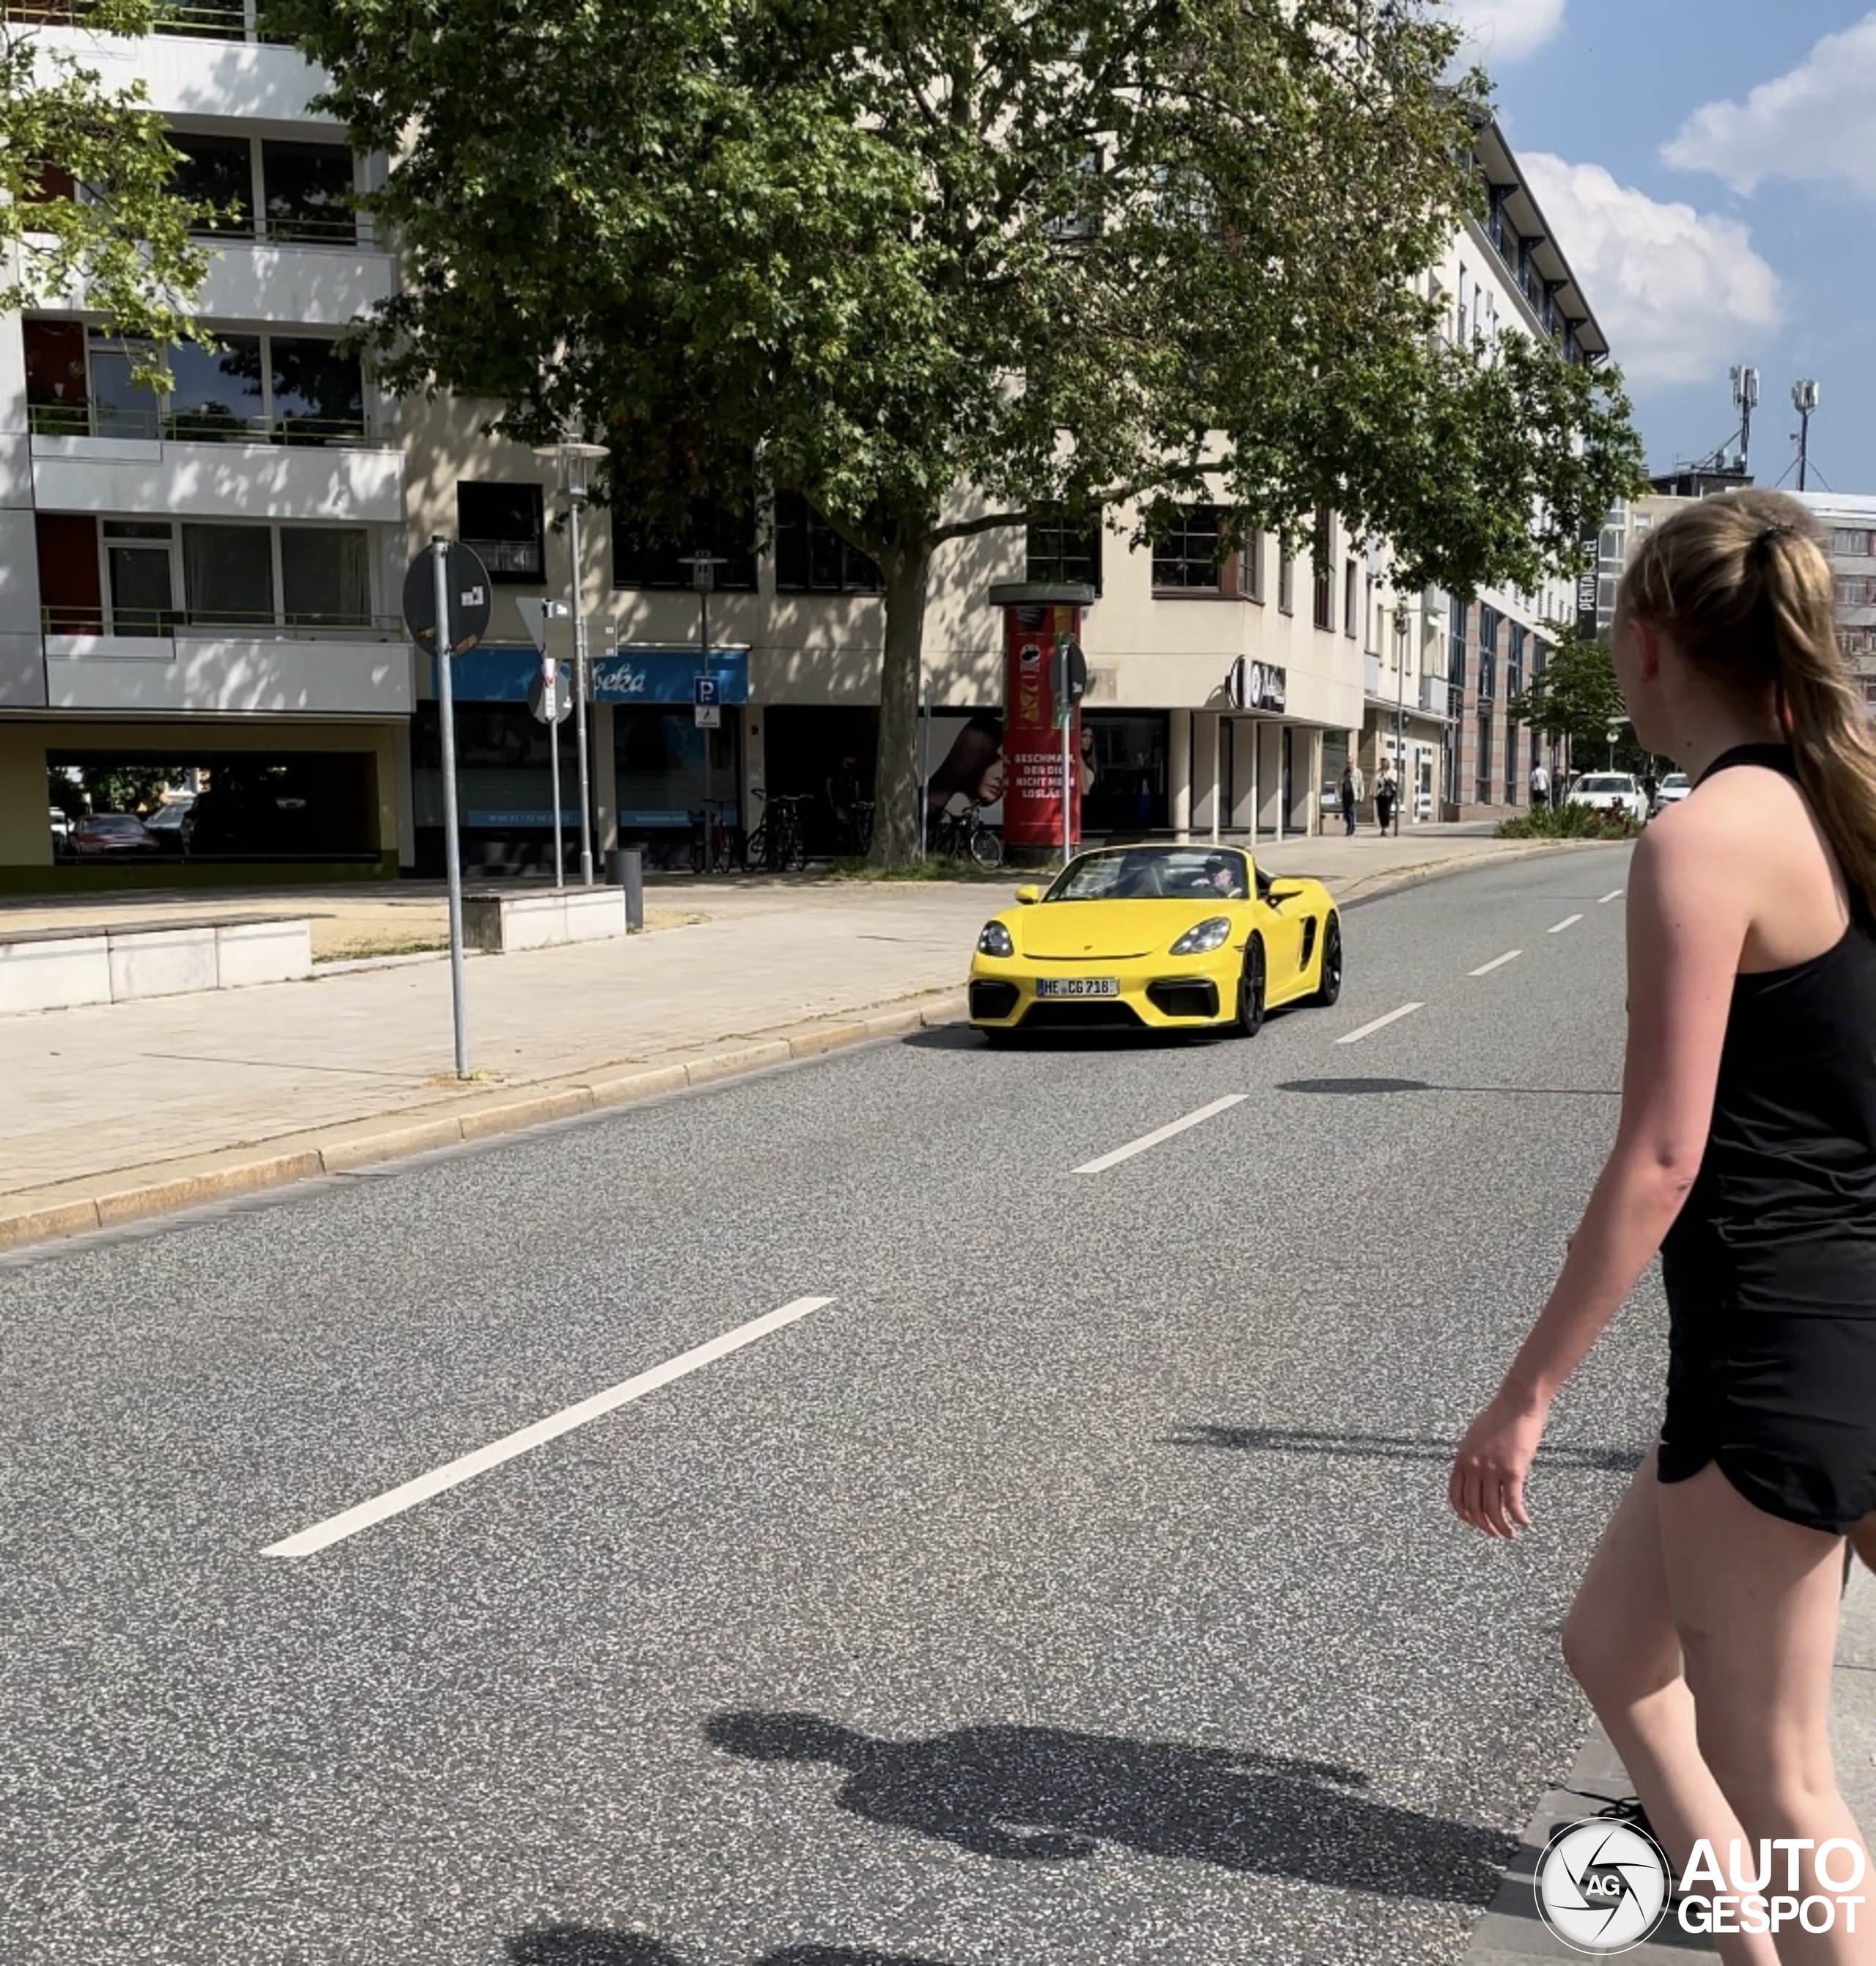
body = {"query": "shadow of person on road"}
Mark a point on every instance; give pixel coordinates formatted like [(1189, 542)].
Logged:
[(1578, 1457), (1048, 1794), (584, 1945)]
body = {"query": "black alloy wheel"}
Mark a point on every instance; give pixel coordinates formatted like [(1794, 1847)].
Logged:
[(1328, 984), (1250, 1019)]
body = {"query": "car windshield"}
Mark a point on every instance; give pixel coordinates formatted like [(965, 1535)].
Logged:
[(1675, 782), (1154, 873), (115, 822), (1607, 784)]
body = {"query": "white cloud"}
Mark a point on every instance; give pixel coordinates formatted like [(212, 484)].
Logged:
[(1811, 122), (1680, 293), (1505, 30)]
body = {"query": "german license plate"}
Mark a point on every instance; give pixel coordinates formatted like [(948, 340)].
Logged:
[(1079, 986)]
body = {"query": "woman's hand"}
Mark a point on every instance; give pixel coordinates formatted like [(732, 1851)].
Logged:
[(1487, 1485)]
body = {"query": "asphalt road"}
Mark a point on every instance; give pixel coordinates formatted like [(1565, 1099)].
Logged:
[(1074, 1588)]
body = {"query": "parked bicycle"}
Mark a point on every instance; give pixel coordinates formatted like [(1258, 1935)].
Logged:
[(855, 829), (713, 839), (778, 844), (965, 836)]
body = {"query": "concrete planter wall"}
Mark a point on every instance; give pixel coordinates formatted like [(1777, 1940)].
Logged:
[(499, 924), (56, 969)]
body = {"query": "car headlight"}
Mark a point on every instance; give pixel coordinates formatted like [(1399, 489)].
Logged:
[(1202, 939), (995, 940)]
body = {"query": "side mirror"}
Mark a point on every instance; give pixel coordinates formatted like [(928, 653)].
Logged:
[(1028, 895)]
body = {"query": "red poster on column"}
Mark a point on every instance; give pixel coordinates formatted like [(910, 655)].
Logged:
[(1032, 743)]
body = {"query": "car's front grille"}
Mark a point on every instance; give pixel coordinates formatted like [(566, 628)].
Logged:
[(1185, 996), (1085, 1013)]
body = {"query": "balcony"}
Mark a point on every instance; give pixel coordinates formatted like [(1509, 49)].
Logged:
[(360, 668), (1434, 696), (204, 58), (1370, 674)]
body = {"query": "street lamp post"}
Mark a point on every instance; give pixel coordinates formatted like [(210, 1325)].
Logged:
[(573, 459), (704, 578), (1399, 709)]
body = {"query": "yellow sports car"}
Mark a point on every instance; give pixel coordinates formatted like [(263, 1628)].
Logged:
[(1155, 938)]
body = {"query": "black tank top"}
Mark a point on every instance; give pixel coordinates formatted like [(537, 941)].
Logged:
[(1782, 1216)]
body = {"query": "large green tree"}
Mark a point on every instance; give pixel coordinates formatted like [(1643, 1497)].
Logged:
[(1082, 254), (87, 192)]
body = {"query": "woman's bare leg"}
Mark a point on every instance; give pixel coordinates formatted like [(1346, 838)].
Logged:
[(1621, 1643), (1755, 1601)]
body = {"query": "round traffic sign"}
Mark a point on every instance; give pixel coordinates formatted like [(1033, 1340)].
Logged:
[(466, 581)]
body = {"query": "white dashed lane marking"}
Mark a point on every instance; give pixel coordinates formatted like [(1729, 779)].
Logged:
[(465, 1467), (1568, 921), (1498, 962), (1380, 1024), (1159, 1133), (1614, 894)]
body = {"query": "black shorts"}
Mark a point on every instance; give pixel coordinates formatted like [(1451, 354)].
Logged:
[(1784, 1401)]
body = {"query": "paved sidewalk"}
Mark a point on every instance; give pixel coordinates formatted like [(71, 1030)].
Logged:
[(1511, 1933), (122, 1109)]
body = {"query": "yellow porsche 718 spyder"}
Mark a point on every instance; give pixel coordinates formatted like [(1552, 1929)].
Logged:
[(1155, 938)]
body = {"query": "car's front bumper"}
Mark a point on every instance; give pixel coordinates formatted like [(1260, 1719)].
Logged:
[(1159, 993)]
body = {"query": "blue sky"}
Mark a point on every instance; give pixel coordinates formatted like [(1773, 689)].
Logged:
[(1709, 169)]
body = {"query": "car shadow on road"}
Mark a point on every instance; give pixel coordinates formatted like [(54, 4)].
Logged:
[(1389, 1447), (964, 1037), (586, 1945), (1360, 1088), (1052, 1795)]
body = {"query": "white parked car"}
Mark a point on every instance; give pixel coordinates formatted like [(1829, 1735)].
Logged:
[(1605, 790), (1672, 790)]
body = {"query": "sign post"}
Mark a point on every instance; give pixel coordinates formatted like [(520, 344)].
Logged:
[(1068, 683), (446, 607)]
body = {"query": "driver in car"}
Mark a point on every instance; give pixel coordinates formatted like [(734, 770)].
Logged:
[(1221, 876)]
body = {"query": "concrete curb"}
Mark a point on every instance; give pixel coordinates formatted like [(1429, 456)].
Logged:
[(1358, 893), (133, 1194)]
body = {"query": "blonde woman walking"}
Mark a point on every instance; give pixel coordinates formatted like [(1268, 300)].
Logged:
[(1705, 1627)]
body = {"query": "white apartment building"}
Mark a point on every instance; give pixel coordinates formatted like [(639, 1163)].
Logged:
[(208, 579)]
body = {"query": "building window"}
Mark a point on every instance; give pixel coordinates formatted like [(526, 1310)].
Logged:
[(1324, 600), (1456, 652), (227, 573), (1251, 566), (325, 576), (643, 558), (501, 525), (1187, 553), (812, 558), (307, 193), (1062, 550), (217, 171), (1483, 787), (1349, 623), (1852, 542), (1514, 659), (219, 395), (1286, 576), (1856, 590)]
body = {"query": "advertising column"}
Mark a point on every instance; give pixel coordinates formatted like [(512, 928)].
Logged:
[(1032, 735)]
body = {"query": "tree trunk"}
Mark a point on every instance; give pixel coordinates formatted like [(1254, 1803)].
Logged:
[(899, 786)]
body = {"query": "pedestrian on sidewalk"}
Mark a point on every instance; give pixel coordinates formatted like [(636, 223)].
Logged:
[(1387, 791), (1704, 1628), (1540, 788), (1350, 796)]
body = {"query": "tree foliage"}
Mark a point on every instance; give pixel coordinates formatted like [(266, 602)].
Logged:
[(86, 196), (1084, 254), (1576, 698)]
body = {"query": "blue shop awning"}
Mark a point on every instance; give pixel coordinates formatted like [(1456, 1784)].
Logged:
[(502, 673)]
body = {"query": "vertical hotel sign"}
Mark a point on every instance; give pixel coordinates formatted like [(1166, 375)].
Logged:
[(1031, 738)]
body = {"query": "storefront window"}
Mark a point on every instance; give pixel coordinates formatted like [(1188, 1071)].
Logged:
[(660, 759), (1126, 755)]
